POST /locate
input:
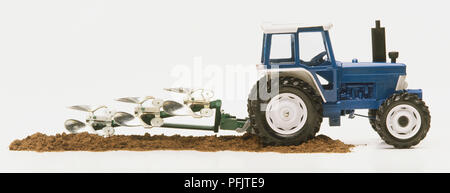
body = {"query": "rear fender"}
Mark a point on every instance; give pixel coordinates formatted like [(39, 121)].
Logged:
[(299, 73)]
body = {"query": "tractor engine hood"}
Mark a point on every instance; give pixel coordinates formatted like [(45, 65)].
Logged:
[(369, 68)]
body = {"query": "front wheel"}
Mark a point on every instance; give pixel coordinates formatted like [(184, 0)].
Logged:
[(403, 120)]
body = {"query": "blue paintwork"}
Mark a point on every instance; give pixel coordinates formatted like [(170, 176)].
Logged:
[(417, 92), (355, 85)]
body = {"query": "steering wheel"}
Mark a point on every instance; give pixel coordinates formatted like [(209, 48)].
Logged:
[(318, 59)]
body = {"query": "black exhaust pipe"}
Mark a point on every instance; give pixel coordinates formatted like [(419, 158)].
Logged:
[(378, 43)]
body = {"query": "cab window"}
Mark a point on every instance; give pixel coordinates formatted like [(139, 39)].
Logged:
[(282, 49), (312, 48)]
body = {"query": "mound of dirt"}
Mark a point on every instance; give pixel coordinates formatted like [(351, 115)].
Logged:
[(91, 142)]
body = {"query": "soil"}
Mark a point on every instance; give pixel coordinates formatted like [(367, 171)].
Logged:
[(91, 142)]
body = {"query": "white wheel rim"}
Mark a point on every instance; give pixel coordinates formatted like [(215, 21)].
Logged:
[(403, 121), (286, 113)]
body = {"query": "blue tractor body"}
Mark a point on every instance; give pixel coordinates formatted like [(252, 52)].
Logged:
[(350, 85)]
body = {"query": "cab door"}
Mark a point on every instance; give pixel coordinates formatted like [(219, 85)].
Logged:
[(316, 55), (279, 50)]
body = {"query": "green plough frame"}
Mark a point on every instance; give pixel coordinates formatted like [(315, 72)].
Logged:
[(222, 120)]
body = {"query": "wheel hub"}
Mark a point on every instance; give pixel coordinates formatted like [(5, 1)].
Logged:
[(286, 113), (403, 121)]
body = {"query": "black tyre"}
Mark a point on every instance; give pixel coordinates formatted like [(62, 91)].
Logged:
[(403, 120), (372, 115), (289, 117)]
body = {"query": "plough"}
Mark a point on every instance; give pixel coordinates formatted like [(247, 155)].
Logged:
[(197, 104)]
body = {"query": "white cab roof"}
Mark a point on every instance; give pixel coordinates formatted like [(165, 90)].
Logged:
[(289, 27)]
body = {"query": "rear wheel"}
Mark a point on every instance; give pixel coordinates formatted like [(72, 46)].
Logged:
[(403, 120), (289, 117)]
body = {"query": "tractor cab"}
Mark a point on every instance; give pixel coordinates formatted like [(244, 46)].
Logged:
[(306, 50), (292, 45)]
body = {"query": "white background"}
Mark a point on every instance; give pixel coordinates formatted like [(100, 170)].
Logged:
[(59, 53)]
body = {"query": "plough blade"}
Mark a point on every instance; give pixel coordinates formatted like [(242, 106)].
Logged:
[(85, 108), (73, 125), (124, 119), (178, 109), (133, 100), (179, 90)]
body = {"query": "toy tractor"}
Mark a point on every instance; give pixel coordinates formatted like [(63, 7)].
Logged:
[(302, 84), (286, 106)]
